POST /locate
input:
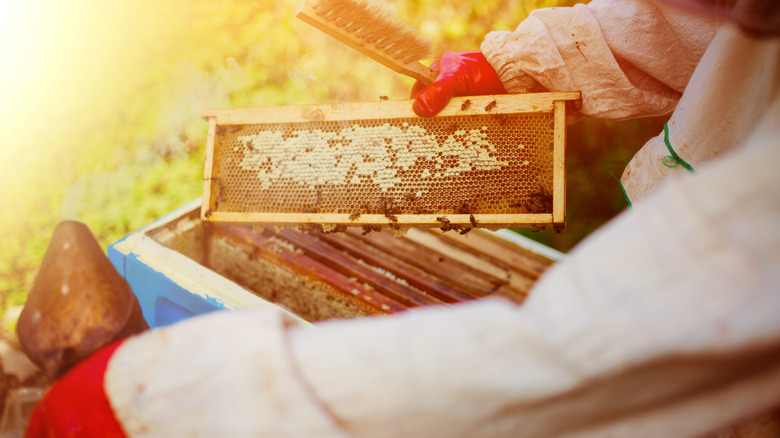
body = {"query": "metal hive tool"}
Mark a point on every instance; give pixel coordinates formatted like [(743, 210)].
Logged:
[(484, 161)]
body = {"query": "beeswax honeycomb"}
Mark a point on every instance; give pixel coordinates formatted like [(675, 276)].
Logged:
[(491, 163)]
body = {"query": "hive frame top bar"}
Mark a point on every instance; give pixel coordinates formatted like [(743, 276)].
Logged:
[(458, 106), (555, 104)]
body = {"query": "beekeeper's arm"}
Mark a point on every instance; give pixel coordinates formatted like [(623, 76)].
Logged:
[(629, 58)]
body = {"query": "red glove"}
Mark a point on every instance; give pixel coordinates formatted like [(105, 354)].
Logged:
[(460, 74), (77, 405)]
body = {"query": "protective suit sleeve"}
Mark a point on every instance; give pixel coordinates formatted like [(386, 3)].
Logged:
[(630, 58), (664, 323)]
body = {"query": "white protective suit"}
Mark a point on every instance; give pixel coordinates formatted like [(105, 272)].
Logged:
[(664, 323)]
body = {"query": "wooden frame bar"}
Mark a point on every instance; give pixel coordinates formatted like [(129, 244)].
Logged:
[(559, 165), (420, 220), (504, 104), (209, 165)]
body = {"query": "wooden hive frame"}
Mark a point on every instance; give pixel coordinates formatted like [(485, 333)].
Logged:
[(222, 120)]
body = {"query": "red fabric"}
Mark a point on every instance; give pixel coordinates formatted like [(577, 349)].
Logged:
[(77, 405), (460, 74)]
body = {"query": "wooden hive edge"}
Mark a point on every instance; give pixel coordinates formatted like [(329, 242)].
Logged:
[(283, 219), (458, 106)]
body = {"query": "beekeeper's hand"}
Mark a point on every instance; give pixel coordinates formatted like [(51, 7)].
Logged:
[(76, 405), (460, 74)]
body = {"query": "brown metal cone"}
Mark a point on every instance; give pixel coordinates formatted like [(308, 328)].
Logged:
[(78, 303)]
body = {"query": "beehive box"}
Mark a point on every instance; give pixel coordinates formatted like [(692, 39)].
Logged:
[(484, 161), (180, 266)]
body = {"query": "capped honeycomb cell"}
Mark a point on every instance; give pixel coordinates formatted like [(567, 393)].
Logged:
[(323, 164)]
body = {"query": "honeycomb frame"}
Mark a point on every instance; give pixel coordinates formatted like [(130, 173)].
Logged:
[(454, 171)]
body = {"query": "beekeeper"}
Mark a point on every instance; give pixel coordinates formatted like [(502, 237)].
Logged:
[(664, 323)]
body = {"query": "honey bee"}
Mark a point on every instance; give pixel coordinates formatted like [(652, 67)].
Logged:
[(410, 196), (502, 118), (354, 216), (534, 205), (250, 146), (207, 213), (537, 202), (451, 128), (220, 188), (383, 98), (464, 231), (468, 208), (386, 207), (465, 105), (490, 106), (446, 225), (370, 228), (536, 228), (235, 128)]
